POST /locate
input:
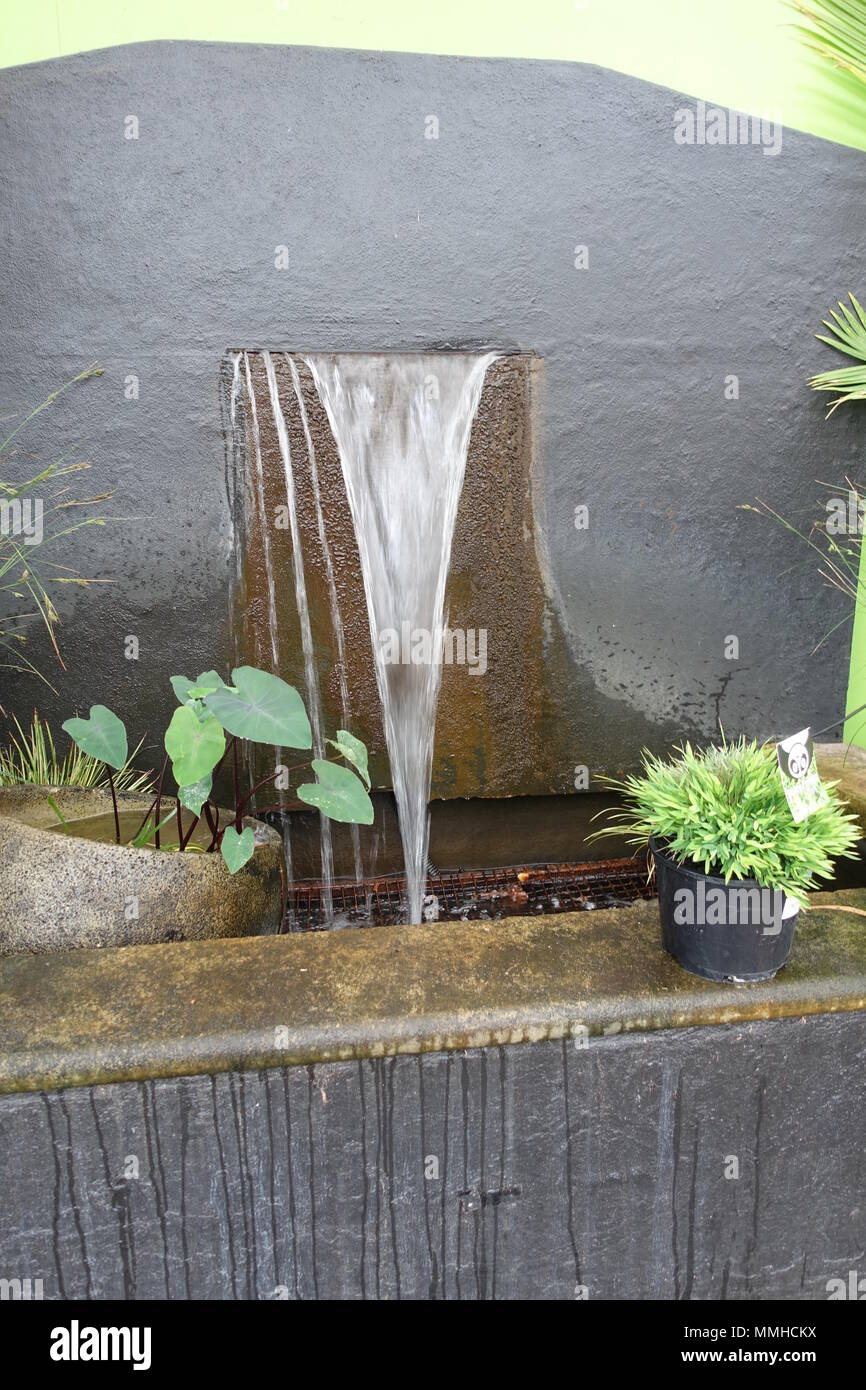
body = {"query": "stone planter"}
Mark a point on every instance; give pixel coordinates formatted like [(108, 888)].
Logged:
[(59, 891)]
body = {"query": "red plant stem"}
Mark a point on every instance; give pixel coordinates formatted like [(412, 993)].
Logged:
[(213, 826), (158, 800), (185, 839), (238, 814), (144, 819), (179, 823), (229, 745), (295, 767), (188, 836), (114, 800), (263, 783)]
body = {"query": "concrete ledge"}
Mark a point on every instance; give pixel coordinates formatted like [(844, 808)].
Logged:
[(85, 1017)]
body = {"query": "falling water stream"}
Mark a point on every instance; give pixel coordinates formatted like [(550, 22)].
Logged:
[(336, 618), (402, 425), (273, 630), (312, 679)]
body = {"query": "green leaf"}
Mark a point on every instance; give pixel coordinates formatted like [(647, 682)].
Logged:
[(261, 708), (847, 335), (354, 751), (338, 793), (59, 814), (102, 735), (196, 794), (149, 829), (194, 745), (725, 809), (186, 689), (181, 685), (237, 849), (212, 680)]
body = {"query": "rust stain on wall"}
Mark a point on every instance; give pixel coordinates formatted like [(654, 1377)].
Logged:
[(495, 735)]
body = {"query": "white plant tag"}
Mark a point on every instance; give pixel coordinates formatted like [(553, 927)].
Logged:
[(804, 790)]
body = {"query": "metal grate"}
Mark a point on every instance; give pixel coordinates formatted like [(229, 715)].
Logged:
[(463, 895)]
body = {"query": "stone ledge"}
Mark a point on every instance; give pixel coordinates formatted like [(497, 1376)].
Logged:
[(87, 1017)]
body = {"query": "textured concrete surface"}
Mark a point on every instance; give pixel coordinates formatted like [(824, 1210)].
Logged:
[(82, 1017), (687, 1164), (839, 762), (155, 255), (60, 891)]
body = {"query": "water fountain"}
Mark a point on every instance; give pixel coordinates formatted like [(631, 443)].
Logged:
[(402, 425)]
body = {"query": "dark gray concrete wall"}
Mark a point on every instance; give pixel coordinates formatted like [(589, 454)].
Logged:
[(554, 1170), (154, 255)]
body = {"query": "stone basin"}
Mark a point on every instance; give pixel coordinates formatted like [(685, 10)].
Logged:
[(60, 891)]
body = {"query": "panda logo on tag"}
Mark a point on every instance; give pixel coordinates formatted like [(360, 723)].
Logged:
[(799, 758), (803, 788)]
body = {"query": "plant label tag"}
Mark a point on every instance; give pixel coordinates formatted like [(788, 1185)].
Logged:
[(804, 790)]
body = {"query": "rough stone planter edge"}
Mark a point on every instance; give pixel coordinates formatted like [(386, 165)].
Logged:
[(61, 892)]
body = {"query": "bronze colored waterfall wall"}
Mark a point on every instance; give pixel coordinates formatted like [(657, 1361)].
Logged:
[(498, 733)]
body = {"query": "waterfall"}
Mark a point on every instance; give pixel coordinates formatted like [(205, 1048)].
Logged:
[(402, 425), (237, 459), (312, 680), (269, 575), (336, 619)]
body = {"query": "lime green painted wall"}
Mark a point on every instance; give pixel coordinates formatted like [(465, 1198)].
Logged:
[(737, 53), (855, 729)]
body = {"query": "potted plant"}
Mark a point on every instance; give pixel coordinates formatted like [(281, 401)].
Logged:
[(733, 865), (82, 866)]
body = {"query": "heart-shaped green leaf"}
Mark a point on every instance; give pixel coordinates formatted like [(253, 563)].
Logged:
[(354, 751), (181, 685), (194, 745), (102, 736), (194, 796), (186, 689), (339, 794), (212, 679), (237, 849), (261, 708)]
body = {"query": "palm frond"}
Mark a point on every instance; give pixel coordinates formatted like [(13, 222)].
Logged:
[(846, 332), (836, 31)]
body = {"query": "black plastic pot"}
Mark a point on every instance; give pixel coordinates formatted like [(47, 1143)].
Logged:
[(722, 931)]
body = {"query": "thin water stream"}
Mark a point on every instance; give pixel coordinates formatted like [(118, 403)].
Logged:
[(314, 703)]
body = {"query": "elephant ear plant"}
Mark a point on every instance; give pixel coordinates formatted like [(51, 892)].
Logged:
[(256, 707), (733, 865)]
